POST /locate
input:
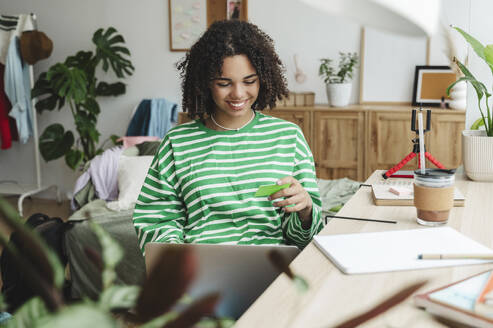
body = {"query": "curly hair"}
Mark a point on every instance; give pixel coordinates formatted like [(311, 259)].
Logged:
[(205, 59)]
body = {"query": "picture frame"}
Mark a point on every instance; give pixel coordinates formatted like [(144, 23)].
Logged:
[(233, 9), (430, 85), (187, 21)]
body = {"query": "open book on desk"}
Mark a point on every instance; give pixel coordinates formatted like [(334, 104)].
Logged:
[(457, 301), (385, 251), (382, 196)]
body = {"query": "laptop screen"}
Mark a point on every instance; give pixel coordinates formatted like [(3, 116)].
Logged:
[(240, 273)]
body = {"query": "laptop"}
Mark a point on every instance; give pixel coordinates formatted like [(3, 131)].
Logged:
[(240, 273)]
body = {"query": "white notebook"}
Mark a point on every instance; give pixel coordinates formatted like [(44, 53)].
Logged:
[(397, 250)]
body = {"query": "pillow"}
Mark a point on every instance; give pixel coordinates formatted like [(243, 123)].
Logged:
[(131, 151), (135, 140), (132, 171), (148, 147)]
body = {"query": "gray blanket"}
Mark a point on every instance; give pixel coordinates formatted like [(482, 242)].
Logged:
[(85, 277)]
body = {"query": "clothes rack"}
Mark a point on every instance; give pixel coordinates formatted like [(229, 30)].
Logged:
[(12, 187)]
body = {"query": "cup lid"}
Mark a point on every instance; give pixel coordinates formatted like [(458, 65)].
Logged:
[(435, 173)]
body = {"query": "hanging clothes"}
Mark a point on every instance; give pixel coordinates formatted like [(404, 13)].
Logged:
[(5, 134), (163, 114), (15, 80), (18, 90), (139, 125), (11, 26), (153, 117)]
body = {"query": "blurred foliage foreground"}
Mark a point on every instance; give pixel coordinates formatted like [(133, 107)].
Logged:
[(147, 306)]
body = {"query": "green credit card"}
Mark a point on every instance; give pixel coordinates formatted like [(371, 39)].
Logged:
[(269, 189)]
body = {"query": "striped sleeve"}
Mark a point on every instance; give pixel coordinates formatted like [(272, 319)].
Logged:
[(304, 172), (159, 214)]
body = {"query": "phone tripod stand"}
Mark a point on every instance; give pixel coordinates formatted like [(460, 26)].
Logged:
[(416, 145)]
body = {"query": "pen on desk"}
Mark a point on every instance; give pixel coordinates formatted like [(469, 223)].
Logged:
[(472, 256), (358, 219)]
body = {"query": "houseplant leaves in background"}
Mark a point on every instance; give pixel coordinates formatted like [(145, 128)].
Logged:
[(55, 142), (110, 49), (73, 84)]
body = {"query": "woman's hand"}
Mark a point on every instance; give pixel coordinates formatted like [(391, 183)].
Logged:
[(296, 199)]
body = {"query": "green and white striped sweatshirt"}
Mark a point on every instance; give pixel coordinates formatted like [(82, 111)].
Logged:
[(200, 186)]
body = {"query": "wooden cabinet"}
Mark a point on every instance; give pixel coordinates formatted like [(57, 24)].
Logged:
[(356, 140), (300, 117), (390, 138), (338, 149)]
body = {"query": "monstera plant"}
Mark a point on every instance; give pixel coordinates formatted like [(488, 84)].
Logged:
[(73, 84)]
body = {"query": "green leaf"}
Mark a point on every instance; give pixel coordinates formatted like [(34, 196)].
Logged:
[(301, 284), (68, 82), (110, 49), (3, 306), (83, 60), (79, 316), (203, 307), (48, 103), (41, 86), (214, 323), (488, 54), (161, 320), (114, 139), (476, 46), (114, 89), (479, 87), (85, 123), (55, 142), (119, 297), (477, 124), (74, 158), (92, 106), (29, 314), (47, 96), (112, 254)]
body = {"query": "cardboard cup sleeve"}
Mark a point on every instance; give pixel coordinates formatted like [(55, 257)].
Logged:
[(433, 199)]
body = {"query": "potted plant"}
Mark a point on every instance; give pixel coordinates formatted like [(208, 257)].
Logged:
[(338, 81), (477, 145), (74, 83)]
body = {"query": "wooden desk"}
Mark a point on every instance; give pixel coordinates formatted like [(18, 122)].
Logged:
[(334, 296)]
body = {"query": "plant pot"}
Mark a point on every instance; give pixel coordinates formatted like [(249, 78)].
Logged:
[(338, 94), (477, 152)]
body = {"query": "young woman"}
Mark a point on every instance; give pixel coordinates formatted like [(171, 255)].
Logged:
[(200, 187)]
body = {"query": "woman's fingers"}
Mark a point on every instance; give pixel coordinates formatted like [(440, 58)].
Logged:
[(296, 197)]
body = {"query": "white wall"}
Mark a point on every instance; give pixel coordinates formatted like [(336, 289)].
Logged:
[(481, 27), (295, 27)]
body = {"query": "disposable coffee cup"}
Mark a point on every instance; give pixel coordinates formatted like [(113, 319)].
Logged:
[(433, 196)]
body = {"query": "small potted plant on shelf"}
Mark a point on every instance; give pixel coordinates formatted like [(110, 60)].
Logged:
[(477, 145), (338, 81)]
